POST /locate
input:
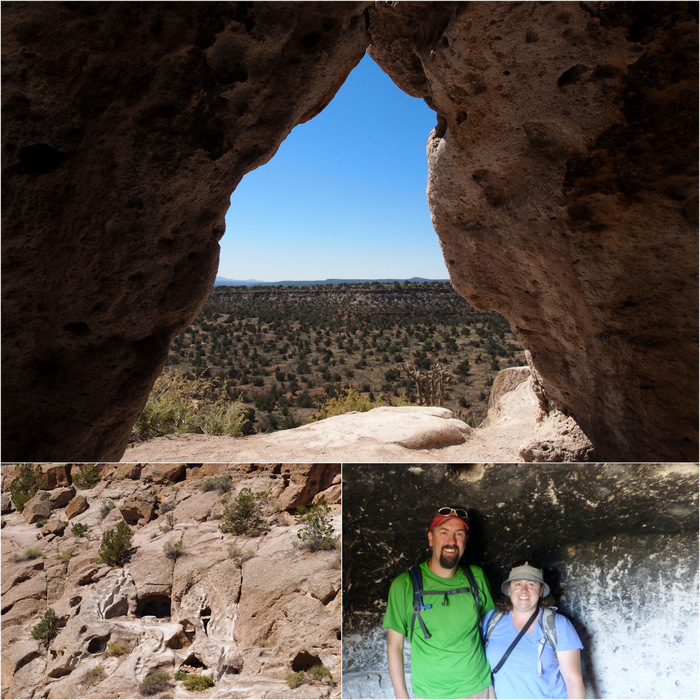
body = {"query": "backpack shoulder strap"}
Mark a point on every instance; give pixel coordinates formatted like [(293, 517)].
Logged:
[(549, 628), (417, 580), (473, 587), (495, 619)]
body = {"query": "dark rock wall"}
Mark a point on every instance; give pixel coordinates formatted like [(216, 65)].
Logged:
[(126, 126), (619, 544), (563, 186)]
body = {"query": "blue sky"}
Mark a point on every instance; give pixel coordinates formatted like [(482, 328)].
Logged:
[(343, 197)]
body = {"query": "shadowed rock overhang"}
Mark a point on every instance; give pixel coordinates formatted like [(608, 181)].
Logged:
[(562, 185)]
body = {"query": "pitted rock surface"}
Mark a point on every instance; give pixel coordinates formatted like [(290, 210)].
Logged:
[(242, 623), (562, 185)]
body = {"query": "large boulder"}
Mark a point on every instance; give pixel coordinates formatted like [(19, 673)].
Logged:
[(563, 186)]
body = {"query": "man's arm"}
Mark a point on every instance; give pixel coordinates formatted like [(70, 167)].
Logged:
[(570, 669), (394, 652)]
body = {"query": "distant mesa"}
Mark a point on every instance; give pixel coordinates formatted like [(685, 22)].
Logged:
[(226, 282)]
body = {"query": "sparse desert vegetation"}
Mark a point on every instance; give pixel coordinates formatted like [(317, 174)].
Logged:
[(268, 358)]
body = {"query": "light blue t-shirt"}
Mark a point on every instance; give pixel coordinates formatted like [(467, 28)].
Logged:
[(518, 678)]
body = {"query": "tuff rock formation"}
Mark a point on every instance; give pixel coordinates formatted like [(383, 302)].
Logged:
[(562, 185), (245, 618), (618, 542), (511, 432)]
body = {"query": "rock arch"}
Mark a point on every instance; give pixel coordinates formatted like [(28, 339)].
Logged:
[(562, 185)]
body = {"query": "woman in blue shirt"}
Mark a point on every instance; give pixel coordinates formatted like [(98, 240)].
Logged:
[(533, 669)]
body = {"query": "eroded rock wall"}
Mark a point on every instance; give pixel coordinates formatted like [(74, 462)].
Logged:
[(563, 186), (125, 129), (619, 544), (245, 610)]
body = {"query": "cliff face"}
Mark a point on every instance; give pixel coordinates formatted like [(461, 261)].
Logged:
[(245, 610), (618, 543), (562, 186)]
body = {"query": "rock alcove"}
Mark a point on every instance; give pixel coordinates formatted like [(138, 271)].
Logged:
[(618, 543), (562, 185)]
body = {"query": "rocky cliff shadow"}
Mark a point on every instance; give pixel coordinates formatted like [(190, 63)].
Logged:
[(126, 127)]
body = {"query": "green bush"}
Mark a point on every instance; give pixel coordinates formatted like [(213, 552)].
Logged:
[(239, 556), (174, 550), (351, 400), (79, 529), (33, 553), (181, 675), (94, 675), (222, 484), (317, 527), (47, 629), (106, 507), (116, 545), (320, 673), (87, 477), (169, 523), (67, 553), (118, 648), (25, 486), (243, 514), (155, 683), (197, 682), (294, 680), (178, 404)]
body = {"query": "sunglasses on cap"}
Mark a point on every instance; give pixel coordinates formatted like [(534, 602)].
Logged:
[(459, 512), (523, 562)]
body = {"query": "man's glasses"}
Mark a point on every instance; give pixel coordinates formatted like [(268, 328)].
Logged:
[(459, 512)]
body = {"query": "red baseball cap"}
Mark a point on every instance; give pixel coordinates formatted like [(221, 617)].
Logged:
[(446, 513)]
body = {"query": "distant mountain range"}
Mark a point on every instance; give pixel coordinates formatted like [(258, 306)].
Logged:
[(226, 282)]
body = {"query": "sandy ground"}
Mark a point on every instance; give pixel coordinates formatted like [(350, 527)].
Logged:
[(408, 434)]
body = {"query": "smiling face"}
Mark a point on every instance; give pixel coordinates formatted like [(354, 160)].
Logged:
[(448, 541), (524, 594)]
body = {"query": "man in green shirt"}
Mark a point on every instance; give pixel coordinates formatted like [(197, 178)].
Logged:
[(450, 662)]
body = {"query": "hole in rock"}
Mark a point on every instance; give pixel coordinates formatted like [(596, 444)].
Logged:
[(179, 641), (40, 158), (155, 605), (188, 630), (97, 644), (303, 661), (206, 616), (194, 662)]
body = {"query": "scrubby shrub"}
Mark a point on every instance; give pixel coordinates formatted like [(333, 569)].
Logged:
[(174, 550), (79, 529), (118, 648), (67, 553), (197, 682), (239, 556), (26, 484), (243, 514), (155, 683), (94, 675), (169, 523), (222, 484), (33, 553), (181, 675), (106, 507), (116, 545), (39, 523), (47, 629), (351, 400), (320, 673), (87, 477), (294, 680), (317, 527), (179, 404)]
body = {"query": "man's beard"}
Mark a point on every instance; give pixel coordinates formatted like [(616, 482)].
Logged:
[(448, 560)]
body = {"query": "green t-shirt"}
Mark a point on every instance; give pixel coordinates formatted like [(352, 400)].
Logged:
[(452, 663)]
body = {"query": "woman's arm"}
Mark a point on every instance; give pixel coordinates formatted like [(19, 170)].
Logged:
[(570, 667), (394, 649)]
